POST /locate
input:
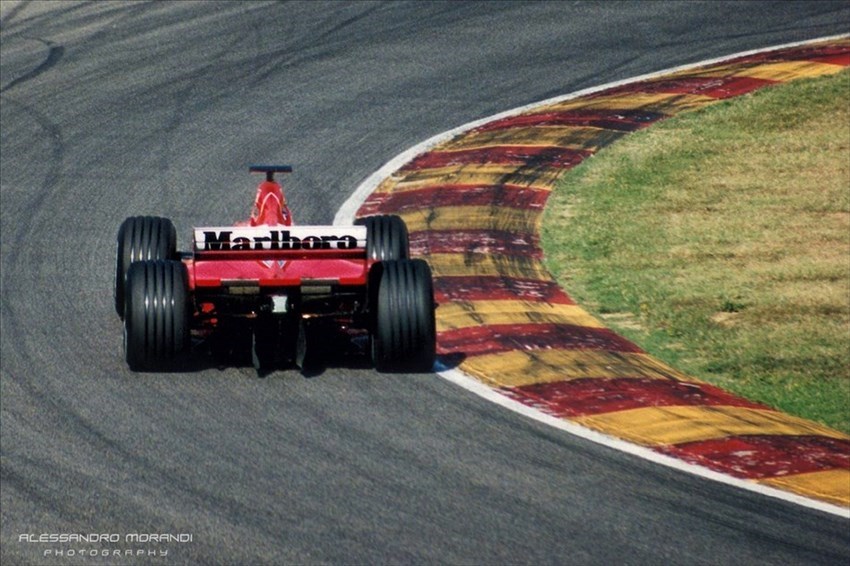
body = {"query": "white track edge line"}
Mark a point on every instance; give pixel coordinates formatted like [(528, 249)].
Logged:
[(349, 208), (477, 387)]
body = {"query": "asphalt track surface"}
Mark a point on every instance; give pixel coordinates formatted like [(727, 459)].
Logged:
[(110, 110)]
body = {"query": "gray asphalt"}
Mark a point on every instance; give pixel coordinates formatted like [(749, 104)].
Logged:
[(115, 109)]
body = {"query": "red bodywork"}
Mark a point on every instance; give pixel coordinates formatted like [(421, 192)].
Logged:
[(275, 268), (270, 206), (214, 269), (240, 270)]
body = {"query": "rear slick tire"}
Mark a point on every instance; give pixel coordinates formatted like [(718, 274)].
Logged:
[(141, 238), (404, 336), (156, 322)]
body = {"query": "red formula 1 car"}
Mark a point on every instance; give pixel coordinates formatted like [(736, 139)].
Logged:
[(265, 282)]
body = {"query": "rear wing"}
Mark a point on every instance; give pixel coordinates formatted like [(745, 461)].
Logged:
[(246, 242)]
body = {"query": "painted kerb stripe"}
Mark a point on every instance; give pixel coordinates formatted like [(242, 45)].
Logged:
[(524, 355)]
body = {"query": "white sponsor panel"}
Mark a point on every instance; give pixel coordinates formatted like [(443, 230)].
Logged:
[(236, 238)]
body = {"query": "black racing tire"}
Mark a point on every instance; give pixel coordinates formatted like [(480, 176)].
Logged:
[(404, 334), (141, 238), (157, 317), (386, 237)]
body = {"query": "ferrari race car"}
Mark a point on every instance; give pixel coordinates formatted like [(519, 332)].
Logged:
[(265, 282)]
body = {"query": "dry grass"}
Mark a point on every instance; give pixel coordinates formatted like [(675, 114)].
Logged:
[(722, 240)]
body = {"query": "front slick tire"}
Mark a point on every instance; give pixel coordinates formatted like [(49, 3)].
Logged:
[(141, 238), (404, 337), (387, 237), (156, 321)]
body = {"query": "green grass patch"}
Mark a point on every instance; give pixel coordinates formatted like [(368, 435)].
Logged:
[(719, 241)]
